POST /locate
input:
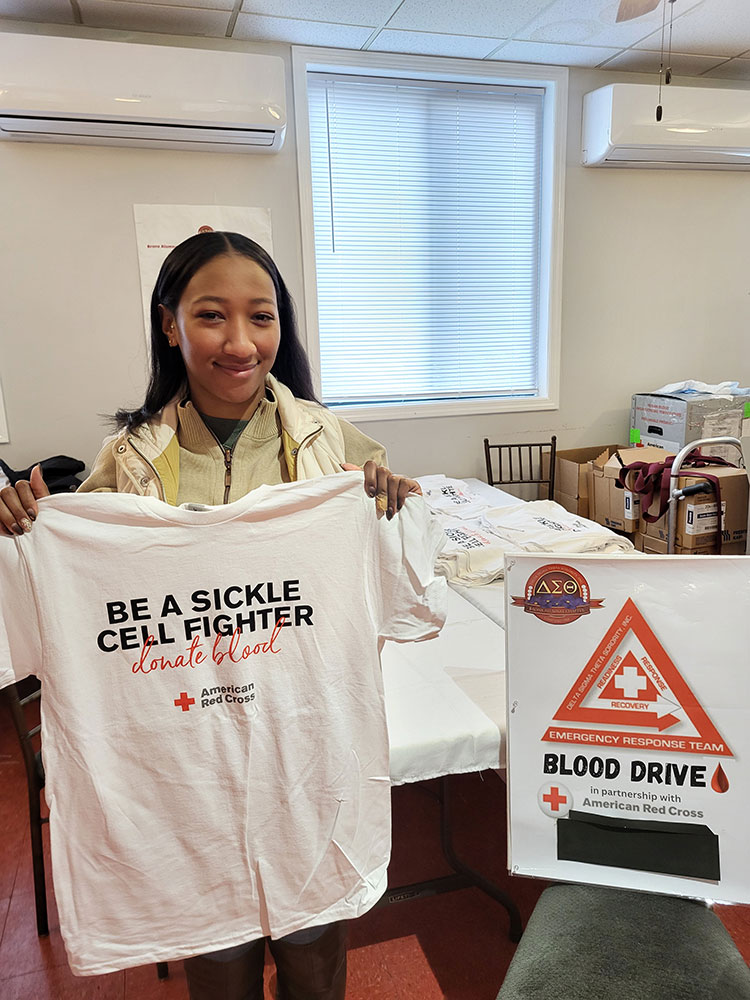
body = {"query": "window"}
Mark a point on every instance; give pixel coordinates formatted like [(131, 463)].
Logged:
[(431, 230)]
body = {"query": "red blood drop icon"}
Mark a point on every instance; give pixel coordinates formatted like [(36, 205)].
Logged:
[(719, 781)]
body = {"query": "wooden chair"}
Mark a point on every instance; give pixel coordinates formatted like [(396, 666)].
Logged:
[(516, 464), (23, 700)]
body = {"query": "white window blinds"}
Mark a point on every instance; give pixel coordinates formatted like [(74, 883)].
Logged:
[(426, 202)]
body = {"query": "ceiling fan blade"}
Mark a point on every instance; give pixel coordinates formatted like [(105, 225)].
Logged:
[(635, 8)]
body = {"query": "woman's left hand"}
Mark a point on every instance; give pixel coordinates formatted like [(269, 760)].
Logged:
[(389, 490)]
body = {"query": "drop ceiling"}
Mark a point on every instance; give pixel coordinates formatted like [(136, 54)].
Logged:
[(710, 38)]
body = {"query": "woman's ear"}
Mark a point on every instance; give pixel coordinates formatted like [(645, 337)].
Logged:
[(168, 325)]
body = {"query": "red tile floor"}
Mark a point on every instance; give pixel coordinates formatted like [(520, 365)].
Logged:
[(453, 946)]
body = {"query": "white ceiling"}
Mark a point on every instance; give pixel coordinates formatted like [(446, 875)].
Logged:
[(710, 37)]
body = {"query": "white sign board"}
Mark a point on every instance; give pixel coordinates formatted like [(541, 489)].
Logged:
[(629, 721), (159, 228)]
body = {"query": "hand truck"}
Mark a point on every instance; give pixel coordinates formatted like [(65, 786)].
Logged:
[(676, 493)]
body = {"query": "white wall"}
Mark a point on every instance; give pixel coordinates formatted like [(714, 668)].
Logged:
[(656, 286)]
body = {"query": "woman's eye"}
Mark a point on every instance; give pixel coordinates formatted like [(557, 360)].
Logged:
[(264, 318), (209, 315)]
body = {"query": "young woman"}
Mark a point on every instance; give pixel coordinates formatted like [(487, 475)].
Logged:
[(230, 406)]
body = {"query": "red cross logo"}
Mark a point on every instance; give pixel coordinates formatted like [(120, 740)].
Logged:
[(554, 799), (184, 702)]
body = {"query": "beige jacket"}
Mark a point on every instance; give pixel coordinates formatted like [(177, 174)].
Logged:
[(147, 460)]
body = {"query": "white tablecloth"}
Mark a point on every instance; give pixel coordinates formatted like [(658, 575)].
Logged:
[(489, 599), (445, 697)]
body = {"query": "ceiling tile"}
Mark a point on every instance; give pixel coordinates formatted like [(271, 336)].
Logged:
[(373, 13), (480, 18), (430, 44), (285, 29), (591, 23), (734, 69), (53, 11), (720, 27), (554, 55), (152, 17), (212, 4), (638, 61)]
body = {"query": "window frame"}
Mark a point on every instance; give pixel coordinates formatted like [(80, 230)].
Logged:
[(554, 81)]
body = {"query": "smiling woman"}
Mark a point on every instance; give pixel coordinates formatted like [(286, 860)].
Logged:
[(230, 406)]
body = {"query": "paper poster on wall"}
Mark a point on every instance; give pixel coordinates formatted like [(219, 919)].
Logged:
[(159, 228), (629, 722)]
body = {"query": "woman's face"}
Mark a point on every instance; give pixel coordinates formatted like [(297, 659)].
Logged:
[(227, 328)]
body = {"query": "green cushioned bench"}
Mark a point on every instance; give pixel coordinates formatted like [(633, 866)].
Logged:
[(587, 942)]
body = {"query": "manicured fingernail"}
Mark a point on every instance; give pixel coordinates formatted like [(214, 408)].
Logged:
[(16, 529), (372, 491), (31, 514), (390, 513), (26, 524)]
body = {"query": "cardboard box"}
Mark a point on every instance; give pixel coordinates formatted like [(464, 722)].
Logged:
[(573, 476), (730, 549), (575, 505), (697, 520), (614, 507), (654, 529), (673, 420), (657, 546)]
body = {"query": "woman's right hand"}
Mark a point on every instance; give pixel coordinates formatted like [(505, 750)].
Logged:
[(18, 507)]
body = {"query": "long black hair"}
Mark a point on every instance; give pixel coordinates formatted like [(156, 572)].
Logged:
[(168, 376)]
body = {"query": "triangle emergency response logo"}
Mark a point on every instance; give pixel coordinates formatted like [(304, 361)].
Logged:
[(631, 695)]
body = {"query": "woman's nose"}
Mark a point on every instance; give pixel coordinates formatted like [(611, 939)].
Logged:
[(240, 338)]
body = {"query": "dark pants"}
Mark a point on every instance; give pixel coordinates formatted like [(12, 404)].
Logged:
[(312, 971)]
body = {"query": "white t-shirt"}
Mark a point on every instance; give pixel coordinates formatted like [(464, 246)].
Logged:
[(475, 549), (214, 785), (451, 496)]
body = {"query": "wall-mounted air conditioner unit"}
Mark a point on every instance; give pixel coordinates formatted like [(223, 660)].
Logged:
[(701, 127), (79, 90)]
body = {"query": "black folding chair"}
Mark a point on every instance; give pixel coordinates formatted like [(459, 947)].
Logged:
[(22, 700)]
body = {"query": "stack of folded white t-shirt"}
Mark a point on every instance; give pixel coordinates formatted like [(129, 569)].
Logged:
[(473, 554), (451, 497), (478, 535)]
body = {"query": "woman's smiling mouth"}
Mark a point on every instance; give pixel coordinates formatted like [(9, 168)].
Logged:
[(236, 371)]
